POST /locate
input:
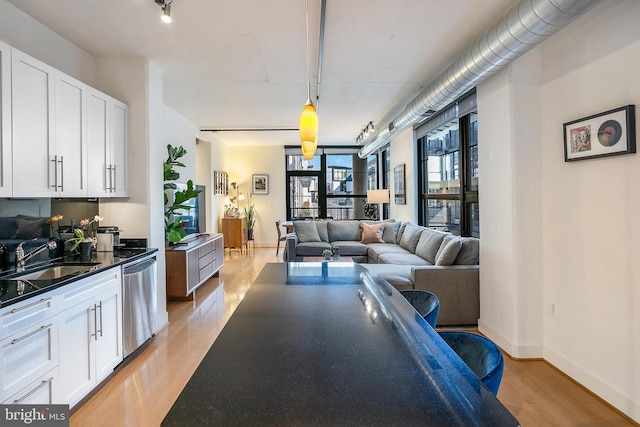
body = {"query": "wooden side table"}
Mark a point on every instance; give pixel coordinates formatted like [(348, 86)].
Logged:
[(235, 233)]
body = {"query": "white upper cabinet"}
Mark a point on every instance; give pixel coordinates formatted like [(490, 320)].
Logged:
[(107, 137), (70, 150), (119, 149), (6, 189), (32, 85), (69, 140)]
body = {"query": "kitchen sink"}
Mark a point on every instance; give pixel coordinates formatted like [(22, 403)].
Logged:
[(55, 272)]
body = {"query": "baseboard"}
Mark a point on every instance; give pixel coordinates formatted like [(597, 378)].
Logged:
[(595, 385), (516, 351)]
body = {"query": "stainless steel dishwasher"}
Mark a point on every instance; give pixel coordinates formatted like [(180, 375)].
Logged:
[(139, 302)]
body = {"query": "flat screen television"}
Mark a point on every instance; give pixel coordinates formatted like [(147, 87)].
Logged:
[(194, 220)]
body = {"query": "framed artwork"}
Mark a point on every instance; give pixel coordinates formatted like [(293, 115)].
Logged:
[(611, 133), (260, 184), (398, 185), (220, 183)]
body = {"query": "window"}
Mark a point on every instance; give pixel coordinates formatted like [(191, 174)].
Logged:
[(448, 170), (331, 185)]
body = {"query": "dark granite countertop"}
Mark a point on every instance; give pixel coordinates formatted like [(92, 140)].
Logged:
[(12, 290), (330, 344)]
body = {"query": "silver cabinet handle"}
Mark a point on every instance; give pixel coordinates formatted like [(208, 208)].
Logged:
[(24, 307), (100, 305), (115, 179), (55, 172), (61, 173), (42, 384), (95, 323), (24, 337)]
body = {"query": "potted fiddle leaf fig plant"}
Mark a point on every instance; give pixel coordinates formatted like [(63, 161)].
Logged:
[(173, 230)]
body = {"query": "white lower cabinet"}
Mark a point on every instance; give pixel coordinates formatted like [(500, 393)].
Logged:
[(91, 344), (27, 355), (42, 391)]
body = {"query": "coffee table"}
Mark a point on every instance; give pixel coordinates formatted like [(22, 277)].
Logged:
[(330, 344)]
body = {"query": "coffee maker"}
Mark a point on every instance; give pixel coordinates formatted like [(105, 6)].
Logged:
[(108, 238)]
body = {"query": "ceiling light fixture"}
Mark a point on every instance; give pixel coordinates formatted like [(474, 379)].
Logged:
[(365, 133), (308, 127), (165, 5)]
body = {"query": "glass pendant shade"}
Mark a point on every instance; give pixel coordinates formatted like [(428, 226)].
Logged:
[(309, 149), (308, 129)]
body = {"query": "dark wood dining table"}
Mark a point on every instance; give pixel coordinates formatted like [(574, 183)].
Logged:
[(327, 343), (288, 226)]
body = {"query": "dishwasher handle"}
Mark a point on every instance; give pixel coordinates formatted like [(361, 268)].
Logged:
[(139, 267)]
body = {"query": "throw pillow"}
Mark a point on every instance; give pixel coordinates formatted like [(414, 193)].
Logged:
[(390, 233), (372, 233), (31, 229), (448, 255), (469, 252), (428, 245), (410, 237), (306, 231)]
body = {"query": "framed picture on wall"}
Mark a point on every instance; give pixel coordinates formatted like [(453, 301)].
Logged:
[(611, 133), (221, 183), (260, 184), (399, 186)]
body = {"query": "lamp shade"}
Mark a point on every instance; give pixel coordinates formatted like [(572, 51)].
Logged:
[(309, 149), (308, 126), (378, 196)]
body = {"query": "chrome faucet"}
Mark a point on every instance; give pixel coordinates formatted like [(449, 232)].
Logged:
[(21, 258)]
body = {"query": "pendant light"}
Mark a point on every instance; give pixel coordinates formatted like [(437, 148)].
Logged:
[(308, 126)]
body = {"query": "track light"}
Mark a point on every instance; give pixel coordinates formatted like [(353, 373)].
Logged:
[(165, 5), (365, 133)]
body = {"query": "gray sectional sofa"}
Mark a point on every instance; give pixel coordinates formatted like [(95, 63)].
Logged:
[(406, 255)]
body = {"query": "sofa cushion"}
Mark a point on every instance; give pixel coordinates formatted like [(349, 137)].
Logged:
[(404, 259), (372, 233), (311, 248), (428, 245), (306, 231), (344, 230), (403, 225), (469, 252), (349, 247), (376, 249), (390, 233), (448, 255), (32, 228), (410, 237), (322, 230), (397, 275)]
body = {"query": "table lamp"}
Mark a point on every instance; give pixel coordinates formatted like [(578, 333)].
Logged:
[(379, 197)]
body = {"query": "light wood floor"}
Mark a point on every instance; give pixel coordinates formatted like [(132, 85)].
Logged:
[(143, 391)]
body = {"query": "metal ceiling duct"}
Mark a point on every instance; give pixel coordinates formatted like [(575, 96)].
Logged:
[(525, 25)]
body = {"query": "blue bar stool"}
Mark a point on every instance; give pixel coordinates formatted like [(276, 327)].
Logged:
[(425, 303), (480, 354)]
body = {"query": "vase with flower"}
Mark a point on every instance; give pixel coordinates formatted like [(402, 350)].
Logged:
[(83, 241)]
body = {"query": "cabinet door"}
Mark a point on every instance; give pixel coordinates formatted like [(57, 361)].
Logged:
[(98, 144), (119, 149), (27, 355), (77, 374), (70, 156), (40, 392), (109, 337), (6, 189), (32, 125)]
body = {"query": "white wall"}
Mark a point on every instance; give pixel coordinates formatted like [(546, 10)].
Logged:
[(30, 36), (244, 161), (403, 152), (564, 233)]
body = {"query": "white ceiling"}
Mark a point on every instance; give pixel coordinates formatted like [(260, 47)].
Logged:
[(242, 63)]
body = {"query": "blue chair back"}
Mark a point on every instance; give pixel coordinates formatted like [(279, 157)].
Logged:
[(480, 354), (425, 303)]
